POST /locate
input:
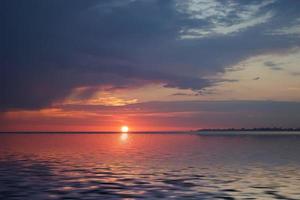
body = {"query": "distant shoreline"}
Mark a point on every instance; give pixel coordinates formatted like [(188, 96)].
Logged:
[(250, 130)]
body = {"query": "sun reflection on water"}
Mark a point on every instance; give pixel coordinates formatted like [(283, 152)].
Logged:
[(124, 137)]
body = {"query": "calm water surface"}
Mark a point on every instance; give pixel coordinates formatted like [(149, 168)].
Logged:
[(149, 166)]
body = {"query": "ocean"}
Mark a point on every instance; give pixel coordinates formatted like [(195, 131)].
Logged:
[(150, 166)]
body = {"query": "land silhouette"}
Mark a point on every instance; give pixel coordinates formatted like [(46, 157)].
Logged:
[(251, 129)]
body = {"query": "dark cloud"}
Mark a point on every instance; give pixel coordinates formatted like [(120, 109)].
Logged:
[(50, 47), (226, 80), (273, 66), (295, 73), (182, 94)]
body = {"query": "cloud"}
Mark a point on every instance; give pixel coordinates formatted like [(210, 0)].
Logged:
[(265, 68), (51, 48), (293, 29), (222, 17), (95, 96), (185, 94), (273, 66), (295, 73)]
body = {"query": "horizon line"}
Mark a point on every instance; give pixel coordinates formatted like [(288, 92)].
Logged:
[(267, 129)]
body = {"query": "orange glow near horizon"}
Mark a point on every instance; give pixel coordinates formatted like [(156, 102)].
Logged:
[(63, 120)]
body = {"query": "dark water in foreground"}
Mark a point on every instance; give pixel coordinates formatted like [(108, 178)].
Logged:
[(149, 166)]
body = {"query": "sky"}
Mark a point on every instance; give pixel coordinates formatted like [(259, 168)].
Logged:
[(76, 65)]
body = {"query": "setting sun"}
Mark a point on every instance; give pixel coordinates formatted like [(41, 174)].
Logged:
[(124, 129)]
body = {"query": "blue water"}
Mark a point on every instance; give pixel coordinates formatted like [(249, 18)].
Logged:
[(149, 166)]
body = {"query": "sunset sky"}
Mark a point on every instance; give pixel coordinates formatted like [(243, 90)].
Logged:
[(70, 65)]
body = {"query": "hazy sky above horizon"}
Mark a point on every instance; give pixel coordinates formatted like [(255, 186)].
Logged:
[(150, 64)]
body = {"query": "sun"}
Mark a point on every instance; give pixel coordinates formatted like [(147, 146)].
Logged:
[(124, 129)]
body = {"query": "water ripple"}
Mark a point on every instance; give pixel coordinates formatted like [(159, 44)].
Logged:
[(45, 173)]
